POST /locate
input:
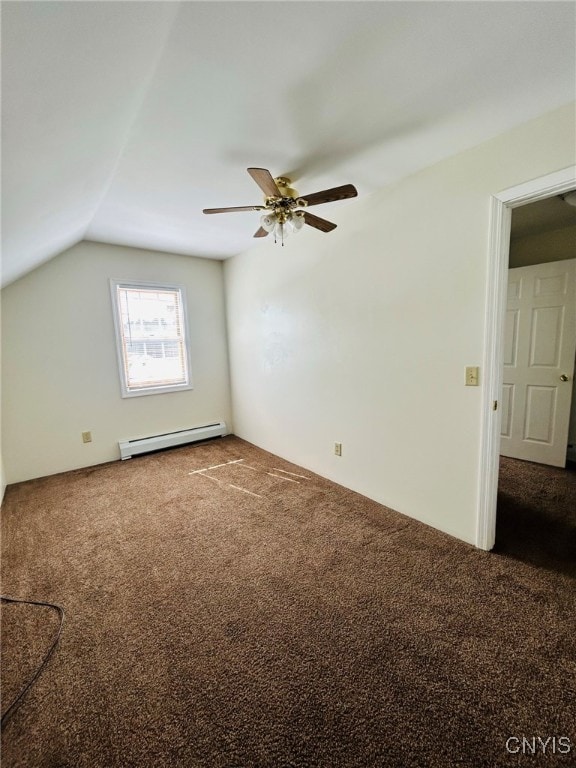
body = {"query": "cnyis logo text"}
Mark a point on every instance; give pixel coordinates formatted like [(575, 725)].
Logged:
[(539, 745)]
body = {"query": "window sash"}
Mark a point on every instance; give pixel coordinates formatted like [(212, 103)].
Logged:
[(151, 333)]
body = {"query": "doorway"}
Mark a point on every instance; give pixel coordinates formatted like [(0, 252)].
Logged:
[(536, 488), (502, 206), (540, 334)]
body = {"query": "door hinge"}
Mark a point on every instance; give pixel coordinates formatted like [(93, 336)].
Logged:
[(495, 405)]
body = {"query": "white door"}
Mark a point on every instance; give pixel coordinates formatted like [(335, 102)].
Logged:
[(539, 349)]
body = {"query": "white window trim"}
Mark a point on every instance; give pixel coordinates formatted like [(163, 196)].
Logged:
[(114, 285)]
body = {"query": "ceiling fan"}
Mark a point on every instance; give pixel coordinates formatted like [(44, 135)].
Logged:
[(282, 203)]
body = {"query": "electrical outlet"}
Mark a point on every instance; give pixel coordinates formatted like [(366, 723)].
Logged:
[(472, 376), (338, 449), (86, 437)]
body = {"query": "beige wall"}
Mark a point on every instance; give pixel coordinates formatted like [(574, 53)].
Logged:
[(557, 245), (60, 370), (362, 335)]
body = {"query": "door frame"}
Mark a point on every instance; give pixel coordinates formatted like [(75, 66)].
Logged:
[(501, 208)]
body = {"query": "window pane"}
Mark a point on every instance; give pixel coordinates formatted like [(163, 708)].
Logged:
[(151, 314), (152, 337)]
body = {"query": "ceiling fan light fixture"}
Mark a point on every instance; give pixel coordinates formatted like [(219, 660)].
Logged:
[(282, 223), (298, 220), (268, 221)]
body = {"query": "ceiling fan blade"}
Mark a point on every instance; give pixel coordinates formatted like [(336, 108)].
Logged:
[(318, 223), (329, 195), (261, 232), (237, 208), (264, 179)]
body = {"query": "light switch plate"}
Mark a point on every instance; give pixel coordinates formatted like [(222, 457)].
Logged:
[(472, 375)]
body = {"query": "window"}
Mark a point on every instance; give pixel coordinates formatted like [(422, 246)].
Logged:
[(151, 334)]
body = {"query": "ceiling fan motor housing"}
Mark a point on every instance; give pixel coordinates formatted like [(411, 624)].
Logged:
[(283, 183), (289, 197)]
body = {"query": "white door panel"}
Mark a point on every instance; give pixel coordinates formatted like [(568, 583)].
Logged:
[(539, 349)]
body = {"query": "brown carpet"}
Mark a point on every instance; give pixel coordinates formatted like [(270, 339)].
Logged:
[(258, 615), (536, 520)]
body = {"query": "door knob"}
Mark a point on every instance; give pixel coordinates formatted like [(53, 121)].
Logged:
[(563, 377)]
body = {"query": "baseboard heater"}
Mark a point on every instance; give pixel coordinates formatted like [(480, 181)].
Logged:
[(129, 448)]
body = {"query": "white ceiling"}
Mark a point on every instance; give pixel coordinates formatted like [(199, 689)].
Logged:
[(122, 120)]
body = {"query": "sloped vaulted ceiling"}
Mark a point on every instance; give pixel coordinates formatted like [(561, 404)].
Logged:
[(122, 120)]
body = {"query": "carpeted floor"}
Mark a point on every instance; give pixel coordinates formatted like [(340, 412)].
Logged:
[(536, 519), (256, 615)]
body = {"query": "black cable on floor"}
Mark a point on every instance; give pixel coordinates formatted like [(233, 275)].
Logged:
[(18, 700)]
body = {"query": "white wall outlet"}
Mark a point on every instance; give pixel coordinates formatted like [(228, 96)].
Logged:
[(472, 375), (338, 449), (86, 437)]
